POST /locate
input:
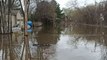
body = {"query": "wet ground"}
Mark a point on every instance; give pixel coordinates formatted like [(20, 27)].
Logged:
[(47, 43)]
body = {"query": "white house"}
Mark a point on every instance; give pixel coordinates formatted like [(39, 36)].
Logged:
[(20, 19), (17, 18)]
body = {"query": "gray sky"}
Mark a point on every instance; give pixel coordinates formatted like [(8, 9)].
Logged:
[(63, 3)]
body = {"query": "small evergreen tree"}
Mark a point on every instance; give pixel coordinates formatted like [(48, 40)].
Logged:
[(59, 14), (59, 11)]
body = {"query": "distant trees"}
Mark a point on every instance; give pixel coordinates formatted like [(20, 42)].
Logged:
[(89, 14)]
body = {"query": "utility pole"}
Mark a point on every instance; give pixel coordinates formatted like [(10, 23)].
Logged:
[(25, 31)]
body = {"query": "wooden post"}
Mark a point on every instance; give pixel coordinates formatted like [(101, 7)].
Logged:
[(25, 32)]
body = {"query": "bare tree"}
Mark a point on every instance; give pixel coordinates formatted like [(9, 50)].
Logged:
[(6, 12)]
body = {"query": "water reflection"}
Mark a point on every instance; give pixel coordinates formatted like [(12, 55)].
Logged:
[(76, 50), (9, 49), (5, 47), (48, 43), (47, 35), (46, 38), (87, 43)]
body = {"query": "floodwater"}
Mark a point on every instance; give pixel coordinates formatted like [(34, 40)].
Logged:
[(48, 43)]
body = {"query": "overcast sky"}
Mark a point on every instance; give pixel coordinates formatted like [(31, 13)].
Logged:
[(63, 3)]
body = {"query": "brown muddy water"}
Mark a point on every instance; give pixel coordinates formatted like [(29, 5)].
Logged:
[(46, 43)]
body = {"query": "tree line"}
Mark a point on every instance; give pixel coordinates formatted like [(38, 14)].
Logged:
[(90, 14)]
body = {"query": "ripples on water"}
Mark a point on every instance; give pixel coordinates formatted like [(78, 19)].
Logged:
[(76, 43)]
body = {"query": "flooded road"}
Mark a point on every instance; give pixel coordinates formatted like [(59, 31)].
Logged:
[(47, 43)]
